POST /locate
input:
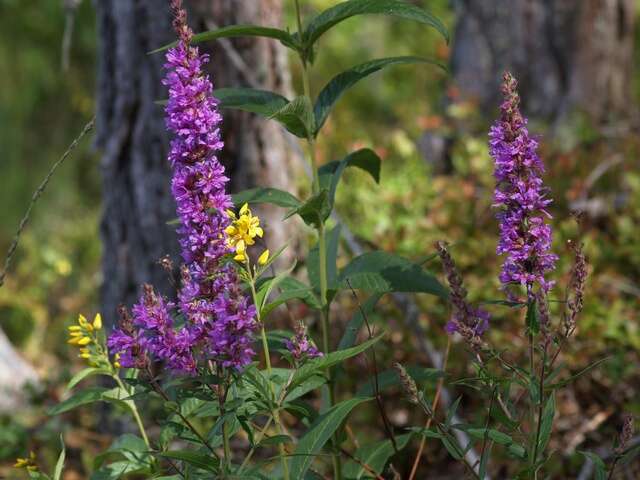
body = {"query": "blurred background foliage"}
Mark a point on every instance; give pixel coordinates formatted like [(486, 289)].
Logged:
[(56, 271)]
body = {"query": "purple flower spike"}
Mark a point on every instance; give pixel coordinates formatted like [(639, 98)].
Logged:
[(219, 317), (525, 238), (219, 322)]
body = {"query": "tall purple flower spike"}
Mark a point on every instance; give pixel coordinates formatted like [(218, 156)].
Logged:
[(219, 320), (525, 238)]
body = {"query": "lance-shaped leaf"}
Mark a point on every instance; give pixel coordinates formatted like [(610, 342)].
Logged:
[(272, 196), (386, 272), (330, 173), (318, 434), (318, 365), (314, 210), (339, 84), (375, 456), (262, 102), (239, 31), (342, 11), (297, 117)]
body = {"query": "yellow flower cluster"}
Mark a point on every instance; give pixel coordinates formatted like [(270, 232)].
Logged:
[(84, 334), (244, 228), (29, 463)]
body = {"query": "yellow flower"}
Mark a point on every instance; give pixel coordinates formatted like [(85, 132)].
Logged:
[(84, 341), (264, 257), (116, 362), (242, 231), (75, 328), (97, 322), (82, 321), (29, 463)]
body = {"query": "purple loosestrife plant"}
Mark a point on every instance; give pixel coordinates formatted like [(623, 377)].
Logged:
[(525, 238), (219, 319)]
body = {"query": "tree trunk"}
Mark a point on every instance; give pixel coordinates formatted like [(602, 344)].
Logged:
[(132, 136), (15, 375), (567, 54)]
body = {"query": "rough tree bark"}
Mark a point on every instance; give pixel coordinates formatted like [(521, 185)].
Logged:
[(131, 133), (567, 54)]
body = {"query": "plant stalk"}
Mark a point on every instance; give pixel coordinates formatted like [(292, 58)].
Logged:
[(134, 411), (322, 249), (267, 361)]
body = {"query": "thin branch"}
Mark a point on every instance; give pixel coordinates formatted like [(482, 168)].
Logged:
[(362, 464), (36, 195), (376, 385), (434, 406)]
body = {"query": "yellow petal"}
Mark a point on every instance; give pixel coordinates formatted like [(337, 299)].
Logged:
[(244, 209), (264, 257), (75, 340), (231, 214), (117, 365), (259, 232), (241, 247), (84, 341), (74, 328), (84, 355), (76, 334), (97, 322), (230, 230), (82, 321), (239, 257)]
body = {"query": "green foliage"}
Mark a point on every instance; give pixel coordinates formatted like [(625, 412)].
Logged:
[(319, 433), (332, 92), (384, 272)]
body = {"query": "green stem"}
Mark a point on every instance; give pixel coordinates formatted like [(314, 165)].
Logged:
[(267, 361), (134, 411), (322, 248)]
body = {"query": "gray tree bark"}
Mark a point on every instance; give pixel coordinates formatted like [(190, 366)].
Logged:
[(567, 54), (133, 140)]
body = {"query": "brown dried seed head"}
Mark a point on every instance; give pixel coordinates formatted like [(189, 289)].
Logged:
[(408, 384)]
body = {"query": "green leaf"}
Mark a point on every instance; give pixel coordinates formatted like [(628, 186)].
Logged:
[(262, 102), (276, 440), (291, 288), (546, 425), (389, 378), (266, 195), (267, 287), (330, 173), (315, 210), (129, 446), (297, 117), (318, 434), (517, 451), (452, 447), (83, 397), (199, 460), (238, 31), (84, 373), (339, 84), (533, 318), (385, 272), (599, 467), (342, 11), (357, 320), (318, 365), (629, 455), (57, 473), (562, 383), (375, 455), (493, 434)]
